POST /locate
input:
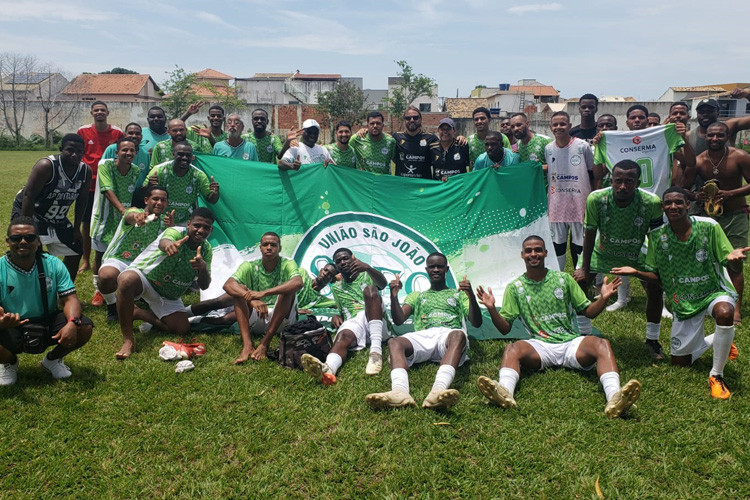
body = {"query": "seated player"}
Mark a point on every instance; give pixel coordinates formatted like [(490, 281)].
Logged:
[(264, 293), (439, 336), (137, 229), (547, 302), (687, 256), (161, 274), (360, 319)]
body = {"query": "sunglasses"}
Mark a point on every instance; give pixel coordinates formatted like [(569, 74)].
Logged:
[(412, 118), (16, 238)]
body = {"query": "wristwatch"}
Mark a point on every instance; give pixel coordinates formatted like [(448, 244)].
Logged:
[(75, 321)]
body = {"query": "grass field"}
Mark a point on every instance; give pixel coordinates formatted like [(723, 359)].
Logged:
[(136, 429)]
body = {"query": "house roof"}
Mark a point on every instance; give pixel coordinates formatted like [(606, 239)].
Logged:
[(108, 84), (316, 76), (699, 88), (271, 76), (24, 82), (462, 107), (212, 73), (537, 90)]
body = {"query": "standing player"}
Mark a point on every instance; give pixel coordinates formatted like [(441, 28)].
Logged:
[(234, 146), (376, 150), (454, 159), (416, 151), (439, 335), (268, 146), (687, 256), (164, 151), (508, 134), (495, 154), (707, 111), (134, 132), (546, 302), (308, 151), (530, 146), (588, 105), (341, 154), (206, 137), (481, 117), (157, 128)]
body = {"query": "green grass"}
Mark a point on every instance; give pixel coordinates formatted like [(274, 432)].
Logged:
[(137, 429)]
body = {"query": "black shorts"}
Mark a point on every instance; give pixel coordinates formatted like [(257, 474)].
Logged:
[(89, 208), (12, 338)]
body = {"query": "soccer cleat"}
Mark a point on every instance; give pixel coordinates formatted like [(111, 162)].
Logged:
[(390, 399), (317, 369), (112, 312), (374, 364), (187, 351), (665, 313), (623, 399), (654, 349), (733, 352), (441, 400), (8, 373), (496, 393), (719, 389), (617, 305), (56, 367), (97, 300)]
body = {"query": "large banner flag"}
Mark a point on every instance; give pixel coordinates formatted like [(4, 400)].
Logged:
[(478, 220)]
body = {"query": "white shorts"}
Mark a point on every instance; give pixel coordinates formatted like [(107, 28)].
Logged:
[(259, 326), (560, 232), (54, 245), (159, 305), (687, 335), (98, 246), (431, 344), (558, 355), (117, 264), (360, 327)]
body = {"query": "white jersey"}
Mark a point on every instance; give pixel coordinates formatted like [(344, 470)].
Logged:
[(568, 180), (315, 154)]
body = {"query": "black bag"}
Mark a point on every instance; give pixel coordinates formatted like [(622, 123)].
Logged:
[(308, 336), (35, 333)]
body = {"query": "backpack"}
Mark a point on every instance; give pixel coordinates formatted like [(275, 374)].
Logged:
[(307, 336)]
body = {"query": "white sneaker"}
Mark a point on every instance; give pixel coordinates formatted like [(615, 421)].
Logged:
[(441, 400), (623, 399), (374, 364), (618, 304), (56, 367), (145, 327), (8, 373), (665, 313), (496, 392), (390, 399)]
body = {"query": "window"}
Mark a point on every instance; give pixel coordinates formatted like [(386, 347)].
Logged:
[(425, 107)]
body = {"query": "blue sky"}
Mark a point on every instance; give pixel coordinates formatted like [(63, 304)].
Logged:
[(634, 48)]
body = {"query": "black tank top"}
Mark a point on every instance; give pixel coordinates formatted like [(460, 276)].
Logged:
[(57, 195)]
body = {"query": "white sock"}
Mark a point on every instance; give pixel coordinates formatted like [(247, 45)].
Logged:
[(623, 291), (444, 378), (189, 310), (610, 383), (723, 337), (600, 279), (708, 342), (400, 380), (96, 282), (652, 331), (561, 261), (376, 335), (334, 362), (584, 324), (110, 298), (509, 378)]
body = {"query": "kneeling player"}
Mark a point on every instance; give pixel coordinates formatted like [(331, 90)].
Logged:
[(547, 301), (439, 336)]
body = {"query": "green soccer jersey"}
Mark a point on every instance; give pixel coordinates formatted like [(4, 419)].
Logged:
[(20, 292), (253, 275), (621, 230), (268, 147), (342, 158), (141, 160), (374, 156), (308, 297), (171, 276), (105, 217), (691, 271), (163, 151), (245, 150), (476, 147), (534, 150), (203, 143), (447, 308), (183, 191), (547, 308), (129, 241), (349, 296)]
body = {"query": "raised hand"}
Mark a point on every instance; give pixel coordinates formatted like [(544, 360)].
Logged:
[(169, 219), (486, 298), (197, 262), (173, 247), (395, 285)]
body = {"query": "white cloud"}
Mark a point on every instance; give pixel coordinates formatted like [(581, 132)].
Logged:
[(214, 19), (535, 7), (61, 11)]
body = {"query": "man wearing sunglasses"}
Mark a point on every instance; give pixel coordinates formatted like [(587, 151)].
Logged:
[(21, 306), (416, 151)]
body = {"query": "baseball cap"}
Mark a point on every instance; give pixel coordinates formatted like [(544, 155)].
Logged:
[(447, 121), (708, 102), (310, 123)]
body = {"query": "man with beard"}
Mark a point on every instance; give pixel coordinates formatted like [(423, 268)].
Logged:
[(206, 137), (509, 140), (416, 151), (529, 146), (156, 130), (234, 146), (454, 159), (268, 146), (134, 132), (495, 154), (374, 149), (184, 182), (707, 113), (341, 154), (588, 105), (728, 166), (439, 335), (164, 150), (482, 118), (307, 151), (360, 320), (686, 256), (161, 274)]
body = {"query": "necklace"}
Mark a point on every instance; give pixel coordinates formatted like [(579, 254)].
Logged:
[(716, 165)]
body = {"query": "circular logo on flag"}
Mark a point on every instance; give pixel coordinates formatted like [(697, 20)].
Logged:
[(559, 293), (636, 140), (387, 245)]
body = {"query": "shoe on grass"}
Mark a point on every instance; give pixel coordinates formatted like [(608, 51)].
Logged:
[(145, 327), (374, 363), (496, 393), (317, 369), (56, 367), (390, 399), (8, 373), (654, 350), (623, 399), (617, 305), (112, 312), (719, 389), (97, 300), (441, 400)]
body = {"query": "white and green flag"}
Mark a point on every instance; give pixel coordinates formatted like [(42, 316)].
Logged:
[(478, 220)]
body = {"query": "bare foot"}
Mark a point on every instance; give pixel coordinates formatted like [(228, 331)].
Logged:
[(244, 355), (84, 267), (260, 353), (737, 317), (125, 351)]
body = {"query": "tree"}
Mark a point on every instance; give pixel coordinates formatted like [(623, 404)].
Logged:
[(119, 71), (56, 110), (345, 102), (409, 88), (180, 90), (226, 96), (16, 72)]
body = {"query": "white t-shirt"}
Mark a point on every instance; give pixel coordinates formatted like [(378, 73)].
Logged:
[(568, 180), (315, 154)]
